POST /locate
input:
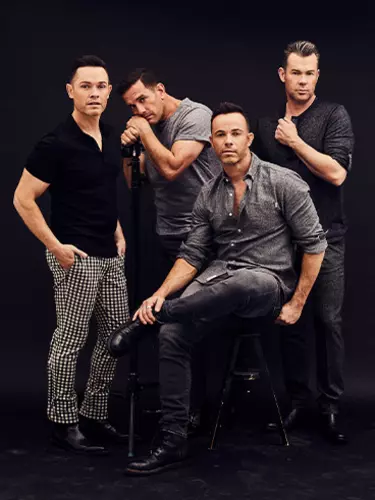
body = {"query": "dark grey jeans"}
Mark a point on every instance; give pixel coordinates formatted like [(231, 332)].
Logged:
[(246, 293), (323, 313)]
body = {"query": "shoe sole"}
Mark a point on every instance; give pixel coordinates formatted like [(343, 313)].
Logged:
[(174, 465)]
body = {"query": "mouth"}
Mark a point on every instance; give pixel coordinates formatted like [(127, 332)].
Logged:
[(94, 104), (228, 151)]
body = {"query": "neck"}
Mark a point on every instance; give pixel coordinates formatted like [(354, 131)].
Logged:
[(295, 108), (89, 124), (170, 106), (236, 171)]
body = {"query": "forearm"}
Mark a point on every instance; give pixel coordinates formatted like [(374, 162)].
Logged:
[(36, 223), (310, 268), (163, 159), (320, 164), (119, 235), (180, 275)]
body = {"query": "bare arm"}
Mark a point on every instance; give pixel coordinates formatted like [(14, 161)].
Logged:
[(120, 240), (292, 310), (169, 163), (28, 190), (179, 276)]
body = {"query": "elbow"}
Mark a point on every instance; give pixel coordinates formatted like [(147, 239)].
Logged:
[(338, 177), (16, 202)]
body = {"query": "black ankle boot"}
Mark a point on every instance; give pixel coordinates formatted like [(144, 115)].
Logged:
[(328, 426), (70, 438), (170, 454), (121, 339)]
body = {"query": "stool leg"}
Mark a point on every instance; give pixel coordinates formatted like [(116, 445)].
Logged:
[(225, 391), (261, 356)]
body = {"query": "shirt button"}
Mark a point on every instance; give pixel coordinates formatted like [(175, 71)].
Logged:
[(230, 214), (232, 244), (230, 194), (239, 230)]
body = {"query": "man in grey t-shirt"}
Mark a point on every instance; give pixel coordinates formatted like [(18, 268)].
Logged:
[(178, 158)]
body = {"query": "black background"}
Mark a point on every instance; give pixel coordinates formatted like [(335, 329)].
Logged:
[(209, 52)]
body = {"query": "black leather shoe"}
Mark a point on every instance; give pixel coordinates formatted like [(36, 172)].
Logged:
[(292, 421), (102, 430), (121, 339), (328, 425), (69, 437), (170, 454)]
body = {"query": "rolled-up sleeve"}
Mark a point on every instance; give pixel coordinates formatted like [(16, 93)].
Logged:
[(196, 249), (301, 215), (339, 138)]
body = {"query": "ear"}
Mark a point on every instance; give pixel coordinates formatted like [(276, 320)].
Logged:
[(69, 90), (160, 89), (318, 73), (281, 72), (250, 138), (109, 89), (211, 140)]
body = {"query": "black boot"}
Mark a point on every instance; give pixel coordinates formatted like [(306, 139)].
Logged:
[(328, 426), (69, 437), (170, 454), (121, 339), (102, 430), (295, 419)]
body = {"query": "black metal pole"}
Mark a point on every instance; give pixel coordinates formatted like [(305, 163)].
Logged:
[(133, 380)]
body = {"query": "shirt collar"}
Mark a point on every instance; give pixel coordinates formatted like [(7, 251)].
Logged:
[(73, 128)]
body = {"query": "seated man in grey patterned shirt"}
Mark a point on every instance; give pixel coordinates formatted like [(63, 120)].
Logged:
[(253, 214)]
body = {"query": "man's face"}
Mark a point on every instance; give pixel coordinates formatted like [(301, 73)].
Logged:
[(231, 138), (146, 102), (300, 77), (90, 90)]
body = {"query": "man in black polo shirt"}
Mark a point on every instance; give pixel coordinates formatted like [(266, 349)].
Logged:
[(78, 163), (315, 139)]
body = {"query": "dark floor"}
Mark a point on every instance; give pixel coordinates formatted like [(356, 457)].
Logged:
[(249, 463)]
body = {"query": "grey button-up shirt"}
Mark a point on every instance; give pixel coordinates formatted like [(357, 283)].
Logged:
[(275, 214)]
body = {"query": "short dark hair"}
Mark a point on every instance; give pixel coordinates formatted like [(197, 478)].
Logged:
[(225, 108), (147, 77), (85, 61), (302, 48)]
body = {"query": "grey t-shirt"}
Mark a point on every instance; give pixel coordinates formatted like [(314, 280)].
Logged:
[(174, 200)]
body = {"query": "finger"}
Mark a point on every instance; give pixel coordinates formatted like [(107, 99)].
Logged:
[(135, 315), (158, 304), (148, 314), (79, 252)]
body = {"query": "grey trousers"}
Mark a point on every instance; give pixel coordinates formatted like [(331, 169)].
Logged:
[(246, 293)]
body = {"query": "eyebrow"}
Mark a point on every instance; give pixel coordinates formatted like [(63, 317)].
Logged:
[(237, 129), (85, 81)]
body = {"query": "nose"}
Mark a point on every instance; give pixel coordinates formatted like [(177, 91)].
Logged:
[(139, 109), (228, 140), (303, 80), (94, 92)]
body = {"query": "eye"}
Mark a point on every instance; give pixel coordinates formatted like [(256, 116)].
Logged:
[(84, 86)]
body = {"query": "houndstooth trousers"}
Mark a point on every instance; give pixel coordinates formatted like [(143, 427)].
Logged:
[(92, 286)]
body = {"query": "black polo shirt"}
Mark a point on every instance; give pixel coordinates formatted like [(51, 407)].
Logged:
[(327, 128), (82, 185)]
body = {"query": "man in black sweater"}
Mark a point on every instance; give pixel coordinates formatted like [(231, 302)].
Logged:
[(315, 139)]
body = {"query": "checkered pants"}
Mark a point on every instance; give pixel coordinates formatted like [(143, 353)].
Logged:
[(94, 285)]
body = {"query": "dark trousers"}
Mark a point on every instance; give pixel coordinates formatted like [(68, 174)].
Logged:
[(323, 313), (246, 293)]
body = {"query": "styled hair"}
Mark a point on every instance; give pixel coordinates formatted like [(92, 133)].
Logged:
[(85, 61), (302, 48), (225, 108), (146, 76)]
